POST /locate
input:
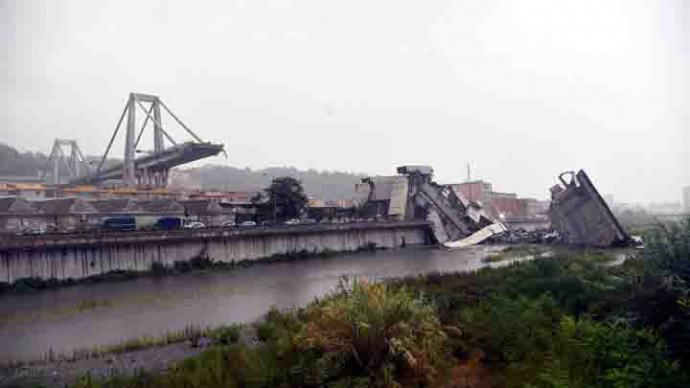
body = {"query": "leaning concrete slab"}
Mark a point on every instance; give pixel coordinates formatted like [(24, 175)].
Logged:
[(495, 229), (580, 214)]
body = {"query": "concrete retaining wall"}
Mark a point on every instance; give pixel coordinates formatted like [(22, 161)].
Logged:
[(79, 257)]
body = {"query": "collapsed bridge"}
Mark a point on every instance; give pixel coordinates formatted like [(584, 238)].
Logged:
[(577, 212), (580, 214), (413, 195), (151, 169)]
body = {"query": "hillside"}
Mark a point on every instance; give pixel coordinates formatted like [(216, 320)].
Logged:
[(15, 163), (319, 184)]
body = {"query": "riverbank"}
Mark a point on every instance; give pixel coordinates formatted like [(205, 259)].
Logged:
[(59, 366), (124, 359), (569, 319), (83, 316), (96, 368), (530, 322)]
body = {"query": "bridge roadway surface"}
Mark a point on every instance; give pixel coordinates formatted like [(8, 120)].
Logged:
[(64, 240)]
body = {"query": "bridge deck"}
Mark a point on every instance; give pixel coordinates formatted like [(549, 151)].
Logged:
[(168, 158)]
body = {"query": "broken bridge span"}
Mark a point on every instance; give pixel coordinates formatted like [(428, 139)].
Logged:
[(152, 169)]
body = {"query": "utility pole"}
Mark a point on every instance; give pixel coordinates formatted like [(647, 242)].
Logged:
[(468, 171)]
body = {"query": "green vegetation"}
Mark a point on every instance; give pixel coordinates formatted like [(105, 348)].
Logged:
[(513, 252), (189, 333), (38, 284), (571, 320), (283, 199), (364, 334), (221, 336)]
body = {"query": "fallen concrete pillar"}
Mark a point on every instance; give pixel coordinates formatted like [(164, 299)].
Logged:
[(581, 216)]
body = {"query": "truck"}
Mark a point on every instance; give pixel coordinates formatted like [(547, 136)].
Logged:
[(121, 223), (168, 223), (130, 223)]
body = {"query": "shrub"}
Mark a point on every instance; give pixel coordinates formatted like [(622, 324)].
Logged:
[(660, 299), (668, 250), (589, 354), (277, 326), (226, 335), (201, 263), (376, 330), (182, 266), (510, 330), (158, 268)]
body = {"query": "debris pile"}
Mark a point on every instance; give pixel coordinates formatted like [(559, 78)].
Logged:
[(578, 214), (414, 195)]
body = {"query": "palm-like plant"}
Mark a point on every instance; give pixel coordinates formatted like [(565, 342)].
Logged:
[(384, 331)]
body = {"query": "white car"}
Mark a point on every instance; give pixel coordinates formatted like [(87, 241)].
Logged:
[(293, 221), (248, 223), (195, 225), (228, 224)]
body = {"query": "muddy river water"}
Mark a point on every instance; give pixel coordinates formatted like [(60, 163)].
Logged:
[(84, 316)]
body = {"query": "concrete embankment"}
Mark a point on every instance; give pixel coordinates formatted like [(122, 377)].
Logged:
[(80, 256)]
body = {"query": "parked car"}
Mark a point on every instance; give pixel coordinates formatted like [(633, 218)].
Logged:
[(248, 223), (307, 221), (293, 221), (32, 230), (195, 225), (228, 224)]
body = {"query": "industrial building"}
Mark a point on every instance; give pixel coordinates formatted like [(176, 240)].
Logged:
[(503, 206)]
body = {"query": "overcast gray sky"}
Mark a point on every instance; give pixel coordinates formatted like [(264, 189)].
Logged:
[(522, 90)]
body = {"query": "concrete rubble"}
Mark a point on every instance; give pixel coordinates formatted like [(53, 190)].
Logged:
[(414, 195), (581, 216), (578, 214)]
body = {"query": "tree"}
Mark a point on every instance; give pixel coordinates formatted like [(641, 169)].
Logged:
[(286, 197)]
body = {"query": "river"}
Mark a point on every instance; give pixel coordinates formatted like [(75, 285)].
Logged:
[(83, 316)]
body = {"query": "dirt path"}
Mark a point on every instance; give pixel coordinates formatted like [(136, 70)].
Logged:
[(63, 373)]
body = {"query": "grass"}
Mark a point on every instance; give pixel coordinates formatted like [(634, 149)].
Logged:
[(567, 320), (570, 319), (219, 335), (515, 252), (362, 335)]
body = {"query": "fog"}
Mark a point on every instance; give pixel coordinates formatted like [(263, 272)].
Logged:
[(521, 90)]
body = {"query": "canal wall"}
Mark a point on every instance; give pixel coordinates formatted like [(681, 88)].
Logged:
[(79, 256)]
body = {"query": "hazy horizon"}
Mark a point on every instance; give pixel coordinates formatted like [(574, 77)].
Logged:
[(520, 90)]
